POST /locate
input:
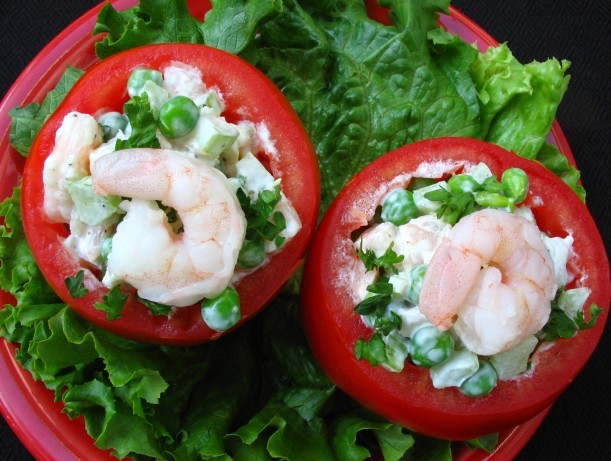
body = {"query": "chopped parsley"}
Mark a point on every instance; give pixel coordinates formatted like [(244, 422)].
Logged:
[(76, 285), (387, 261), (143, 123), (456, 204), (113, 303), (381, 293), (263, 223), (372, 350), (155, 308), (560, 325)]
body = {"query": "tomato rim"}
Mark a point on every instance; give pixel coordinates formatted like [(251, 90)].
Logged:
[(408, 398), (249, 95)]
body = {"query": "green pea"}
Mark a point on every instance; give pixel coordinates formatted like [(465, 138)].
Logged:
[(515, 184), (492, 199), (481, 382), (223, 311), (463, 183), (399, 207), (251, 254), (139, 77), (177, 117), (112, 123), (430, 346), (106, 249), (416, 275)]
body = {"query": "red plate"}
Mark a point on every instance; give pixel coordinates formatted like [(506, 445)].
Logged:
[(27, 405)]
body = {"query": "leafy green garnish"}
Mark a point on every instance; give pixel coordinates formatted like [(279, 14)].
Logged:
[(560, 325), (386, 262), (453, 205), (376, 303), (113, 303), (155, 308), (76, 286), (262, 222), (580, 321), (27, 121), (386, 324), (143, 124), (373, 350)]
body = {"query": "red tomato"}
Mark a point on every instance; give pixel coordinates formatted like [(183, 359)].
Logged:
[(249, 95), (409, 398)]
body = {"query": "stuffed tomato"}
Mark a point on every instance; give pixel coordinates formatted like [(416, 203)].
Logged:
[(171, 195), (455, 288)]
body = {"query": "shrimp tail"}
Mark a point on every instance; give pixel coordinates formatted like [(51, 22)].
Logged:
[(444, 290), (131, 179)]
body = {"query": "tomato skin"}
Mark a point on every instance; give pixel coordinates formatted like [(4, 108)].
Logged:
[(408, 398), (249, 95)]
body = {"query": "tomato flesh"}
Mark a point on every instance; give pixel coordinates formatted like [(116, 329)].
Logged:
[(249, 95), (409, 398)]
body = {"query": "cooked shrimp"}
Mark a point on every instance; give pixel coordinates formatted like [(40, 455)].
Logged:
[(166, 267), (492, 279), (75, 139)]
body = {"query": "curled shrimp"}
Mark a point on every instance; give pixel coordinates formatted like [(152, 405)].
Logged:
[(164, 266), (492, 279)]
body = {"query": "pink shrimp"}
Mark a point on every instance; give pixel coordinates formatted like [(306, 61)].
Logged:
[(492, 279), (165, 267)]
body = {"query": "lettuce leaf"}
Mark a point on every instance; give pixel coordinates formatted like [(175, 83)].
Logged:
[(231, 24), (392, 439), (288, 435), (117, 385), (487, 443), (362, 88), (359, 87), (255, 394), (429, 449), (151, 21), (525, 121), (558, 164), (215, 404), (498, 77), (27, 121)]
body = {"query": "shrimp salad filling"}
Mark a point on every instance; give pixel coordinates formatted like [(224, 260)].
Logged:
[(168, 197), (460, 280)]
